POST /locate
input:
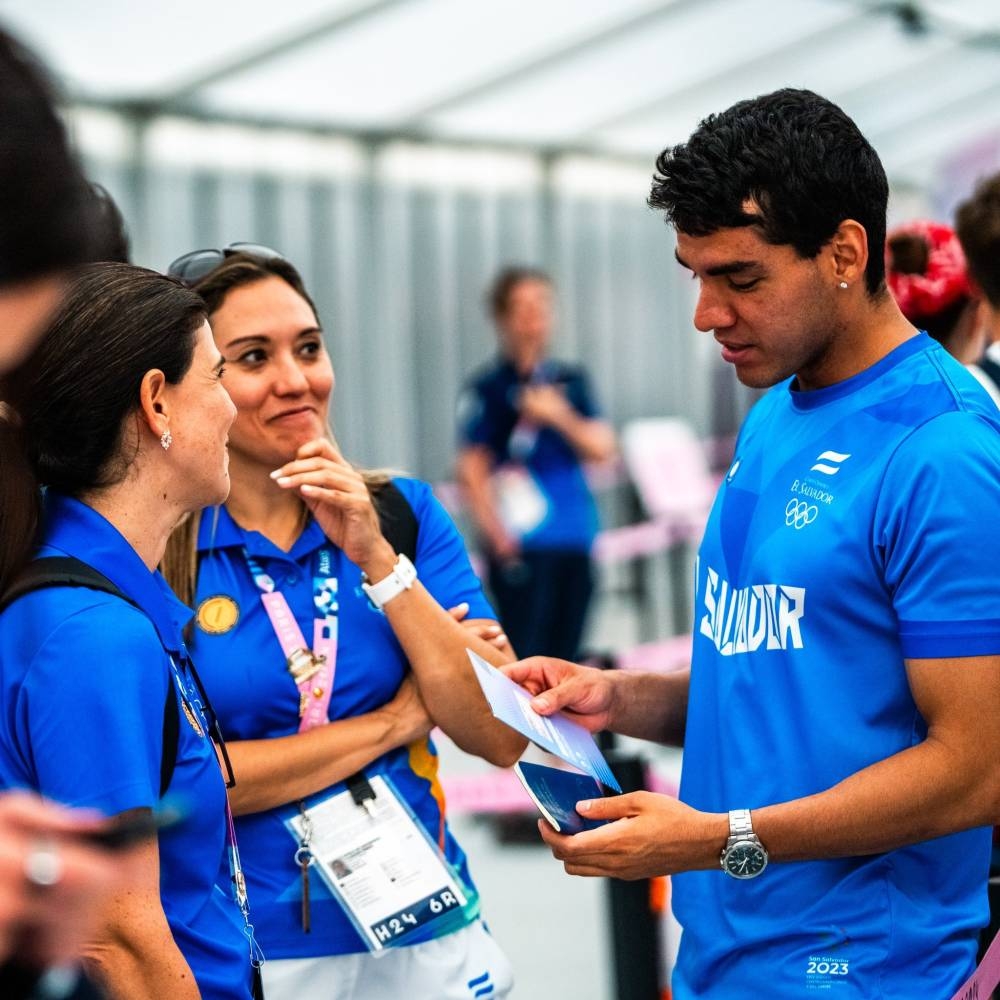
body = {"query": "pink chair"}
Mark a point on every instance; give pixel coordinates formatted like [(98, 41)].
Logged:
[(670, 470)]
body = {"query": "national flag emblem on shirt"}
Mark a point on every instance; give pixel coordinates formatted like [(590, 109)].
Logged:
[(829, 462)]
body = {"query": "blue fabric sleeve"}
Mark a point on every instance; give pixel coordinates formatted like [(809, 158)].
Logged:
[(442, 562), (91, 709), (581, 395), (477, 425), (939, 548)]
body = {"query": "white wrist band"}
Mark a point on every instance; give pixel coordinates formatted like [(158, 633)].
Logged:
[(402, 577)]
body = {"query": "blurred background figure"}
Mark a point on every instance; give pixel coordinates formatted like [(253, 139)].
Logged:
[(47, 210), (52, 885), (977, 222), (928, 276), (527, 422), (109, 227)]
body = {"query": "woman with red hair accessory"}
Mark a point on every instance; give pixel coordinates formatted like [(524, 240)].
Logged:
[(928, 277)]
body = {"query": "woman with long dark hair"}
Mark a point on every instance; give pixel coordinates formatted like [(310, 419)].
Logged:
[(121, 416)]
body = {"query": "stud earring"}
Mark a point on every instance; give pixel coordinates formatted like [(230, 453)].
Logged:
[(843, 284), (166, 439)]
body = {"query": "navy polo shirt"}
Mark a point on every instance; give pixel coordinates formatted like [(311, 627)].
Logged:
[(488, 416)]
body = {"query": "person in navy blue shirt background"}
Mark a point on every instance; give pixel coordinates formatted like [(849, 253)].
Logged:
[(526, 423), (841, 716), (124, 421)]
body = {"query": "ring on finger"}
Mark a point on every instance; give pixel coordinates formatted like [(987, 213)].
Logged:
[(43, 865)]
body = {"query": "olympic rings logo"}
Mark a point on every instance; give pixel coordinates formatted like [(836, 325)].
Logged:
[(798, 514)]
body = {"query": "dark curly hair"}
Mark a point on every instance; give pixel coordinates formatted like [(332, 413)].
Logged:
[(798, 156)]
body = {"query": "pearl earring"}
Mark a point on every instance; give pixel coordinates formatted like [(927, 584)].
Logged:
[(843, 284), (166, 439)]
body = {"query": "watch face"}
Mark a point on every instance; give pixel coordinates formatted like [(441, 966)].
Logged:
[(745, 859)]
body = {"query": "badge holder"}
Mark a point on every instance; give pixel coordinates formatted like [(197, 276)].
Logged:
[(381, 865)]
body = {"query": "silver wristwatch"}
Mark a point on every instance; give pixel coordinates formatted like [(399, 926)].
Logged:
[(744, 856)]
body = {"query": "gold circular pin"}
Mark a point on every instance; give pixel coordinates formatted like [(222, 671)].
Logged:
[(218, 614)]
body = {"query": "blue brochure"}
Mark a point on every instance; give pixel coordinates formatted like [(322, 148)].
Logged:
[(556, 733), (556, 793)]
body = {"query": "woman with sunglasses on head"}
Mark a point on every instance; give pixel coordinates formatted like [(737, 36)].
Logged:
[(321, 636), (121, 416)]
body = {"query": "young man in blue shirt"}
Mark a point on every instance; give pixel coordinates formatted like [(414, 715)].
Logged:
[(841, 717)]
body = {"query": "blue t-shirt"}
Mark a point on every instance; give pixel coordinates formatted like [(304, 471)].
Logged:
[(847, 537), (255, 697), (84, 677), (488, 416)]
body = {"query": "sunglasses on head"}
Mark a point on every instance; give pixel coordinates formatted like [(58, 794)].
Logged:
[(191, 267)]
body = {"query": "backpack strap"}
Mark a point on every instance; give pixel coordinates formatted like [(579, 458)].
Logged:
[(66, 571), (398, 521)]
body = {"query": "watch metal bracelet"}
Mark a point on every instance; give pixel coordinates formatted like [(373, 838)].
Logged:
[(740, 823)]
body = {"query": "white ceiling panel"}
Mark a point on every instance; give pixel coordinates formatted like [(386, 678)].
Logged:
[(124, 49), (415, 54), (620, 78), (561, 102)]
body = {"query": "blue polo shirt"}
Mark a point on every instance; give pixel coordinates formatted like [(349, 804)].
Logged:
[(84, 677), (847, 537), (241, 663), (488, 416)]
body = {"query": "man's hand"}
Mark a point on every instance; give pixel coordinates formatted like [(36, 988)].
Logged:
[(650, 835), (583, 693)]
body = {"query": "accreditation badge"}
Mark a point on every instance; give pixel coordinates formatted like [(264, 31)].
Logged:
[(217, 615), (381, 865)]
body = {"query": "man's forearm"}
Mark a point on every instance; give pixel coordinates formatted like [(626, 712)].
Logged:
[(923, 792), (650, 706)]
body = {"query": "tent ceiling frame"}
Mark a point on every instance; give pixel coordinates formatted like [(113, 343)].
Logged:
[(560, 53), (143, 114), (826, 35), (943, 110), (294, 40)]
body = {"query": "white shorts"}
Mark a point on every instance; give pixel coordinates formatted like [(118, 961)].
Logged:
[(466, 965)]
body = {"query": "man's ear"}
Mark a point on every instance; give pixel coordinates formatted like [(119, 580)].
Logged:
[(154, 408), (849, 252)]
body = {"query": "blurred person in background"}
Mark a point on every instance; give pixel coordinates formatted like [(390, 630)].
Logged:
[(120, 414), (48, 213), (977, 222), (109, 227), (52, 885), (322, 639), (527, 422), (927, 274)]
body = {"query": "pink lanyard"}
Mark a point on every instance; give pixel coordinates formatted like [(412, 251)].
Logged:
[(312, 668), (983, 981)]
